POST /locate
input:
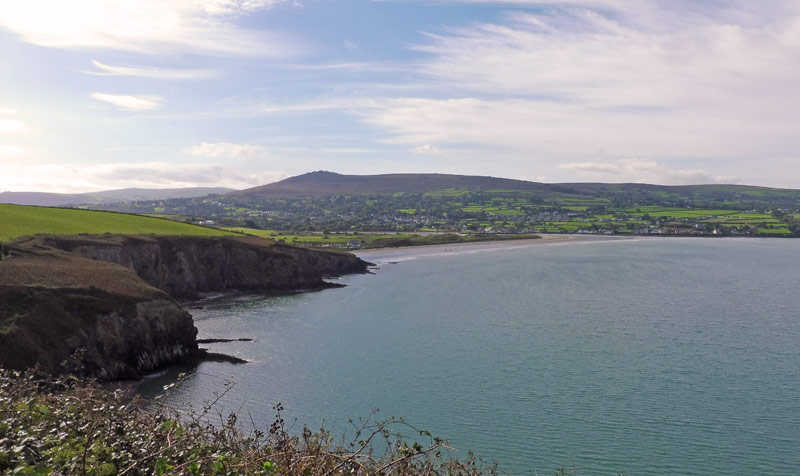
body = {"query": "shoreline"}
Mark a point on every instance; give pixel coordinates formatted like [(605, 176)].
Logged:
[(437, 249), (545, 238)]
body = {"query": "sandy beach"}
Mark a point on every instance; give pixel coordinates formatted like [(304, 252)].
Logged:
[(392, 255)]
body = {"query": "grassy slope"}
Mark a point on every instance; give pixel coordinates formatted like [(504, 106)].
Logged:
[(20, 220)]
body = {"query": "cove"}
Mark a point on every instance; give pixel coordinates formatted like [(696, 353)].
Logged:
[(648, 356)]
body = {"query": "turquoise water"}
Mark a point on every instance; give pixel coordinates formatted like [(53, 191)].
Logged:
[(640, 357)]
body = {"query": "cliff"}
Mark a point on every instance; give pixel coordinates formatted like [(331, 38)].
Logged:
[(53, 303), (112, 295), (187, 266)]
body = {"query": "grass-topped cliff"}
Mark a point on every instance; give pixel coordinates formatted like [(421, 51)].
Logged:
[(54, 302), (114, 295), (186, 267), (21, 220)]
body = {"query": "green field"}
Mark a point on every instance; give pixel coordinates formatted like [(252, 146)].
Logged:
[(677, 212), (319, 239), (377, 240), (20, 220)]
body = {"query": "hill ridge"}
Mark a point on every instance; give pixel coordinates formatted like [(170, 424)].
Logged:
[(49, 199), (322, 183)]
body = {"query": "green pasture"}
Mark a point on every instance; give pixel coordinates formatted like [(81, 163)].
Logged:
[(678, 212), (310, 238), (589, 201), (509, 213), (774, 231), (313, 239), (376, 240), (742, 221), (21, 220), (447, 192)]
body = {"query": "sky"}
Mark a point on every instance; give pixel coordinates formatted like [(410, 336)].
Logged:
[(107, 94)]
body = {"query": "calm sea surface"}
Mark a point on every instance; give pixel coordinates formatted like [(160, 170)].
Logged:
[(640, 357)]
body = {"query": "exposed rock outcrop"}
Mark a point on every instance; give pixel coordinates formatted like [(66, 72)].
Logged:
[(185, 266), (53, 303), (112, 295)]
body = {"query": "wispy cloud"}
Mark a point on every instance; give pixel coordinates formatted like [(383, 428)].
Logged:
[(130, 102), (68, 178), (151, 72), (346, 150), (664, 58), (426, 149), (227, 150), (609, 78), (547, 131), (147, 26), (644, 171)]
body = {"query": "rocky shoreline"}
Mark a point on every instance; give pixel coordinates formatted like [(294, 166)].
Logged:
[(116, 296)]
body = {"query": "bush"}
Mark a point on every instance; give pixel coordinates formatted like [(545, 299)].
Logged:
[(71, 426)]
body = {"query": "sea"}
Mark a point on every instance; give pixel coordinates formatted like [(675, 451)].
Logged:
[(636, 356)]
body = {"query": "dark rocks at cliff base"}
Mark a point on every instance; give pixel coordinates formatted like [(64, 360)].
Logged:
[(204, 355), (216, 341)]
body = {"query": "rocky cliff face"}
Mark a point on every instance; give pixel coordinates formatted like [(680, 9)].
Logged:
[(185, 266), (53, 303), (113, 295)]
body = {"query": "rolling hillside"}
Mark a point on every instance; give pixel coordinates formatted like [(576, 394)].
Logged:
[(45, 199), (320, 201), (321, 184), (21, 220), (324, 184)]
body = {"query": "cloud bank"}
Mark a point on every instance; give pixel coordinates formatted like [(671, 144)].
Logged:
[(577, 80), (644, 171), (73, 178), (227, 150)]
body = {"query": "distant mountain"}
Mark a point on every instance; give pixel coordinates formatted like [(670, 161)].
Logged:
[(321, 184), (138, 194), (108, 196), (41, 198)]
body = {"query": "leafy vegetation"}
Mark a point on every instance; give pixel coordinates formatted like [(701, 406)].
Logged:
[(20, 220), (68, 426)]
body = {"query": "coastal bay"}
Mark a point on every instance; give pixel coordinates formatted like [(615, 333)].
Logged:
[(637, 356)]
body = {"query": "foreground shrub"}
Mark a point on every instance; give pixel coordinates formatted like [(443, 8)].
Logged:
[(73, 427)]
